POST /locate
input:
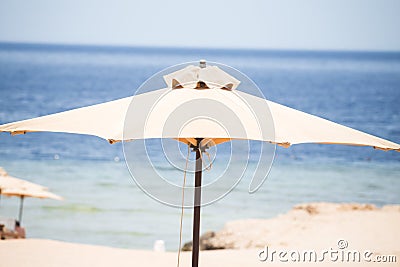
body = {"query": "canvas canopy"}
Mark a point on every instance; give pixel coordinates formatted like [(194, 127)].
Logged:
[(258, 118)]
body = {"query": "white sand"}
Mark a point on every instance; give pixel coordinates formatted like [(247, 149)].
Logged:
[(49, 253), (311, 226), (320, 225)]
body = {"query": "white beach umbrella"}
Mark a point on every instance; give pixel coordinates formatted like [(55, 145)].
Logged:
[(247, 117)]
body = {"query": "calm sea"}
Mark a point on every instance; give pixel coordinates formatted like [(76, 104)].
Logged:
[(102, 203)]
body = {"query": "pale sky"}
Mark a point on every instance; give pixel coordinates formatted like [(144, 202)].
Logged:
[(263, 24)]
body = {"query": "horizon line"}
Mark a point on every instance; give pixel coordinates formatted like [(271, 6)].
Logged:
[(195, 48)]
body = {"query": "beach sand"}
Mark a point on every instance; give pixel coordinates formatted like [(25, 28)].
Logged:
[(313, 226)]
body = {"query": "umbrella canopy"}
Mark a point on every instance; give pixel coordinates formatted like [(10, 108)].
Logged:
[(8, 182), (107, 120), (26, 192)]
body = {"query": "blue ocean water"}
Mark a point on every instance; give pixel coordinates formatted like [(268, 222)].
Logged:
[(102, 203)]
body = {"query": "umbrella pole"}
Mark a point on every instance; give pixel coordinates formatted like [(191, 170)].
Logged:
[(21, 206), (197, 204)]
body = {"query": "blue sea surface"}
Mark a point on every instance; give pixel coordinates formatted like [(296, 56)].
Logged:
[(102, 203)]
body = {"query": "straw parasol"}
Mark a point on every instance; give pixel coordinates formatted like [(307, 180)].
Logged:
[(15, 187)]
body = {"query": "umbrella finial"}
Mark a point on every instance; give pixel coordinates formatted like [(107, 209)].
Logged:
[(202, 63)]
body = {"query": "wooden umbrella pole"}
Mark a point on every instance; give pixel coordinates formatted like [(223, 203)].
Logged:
[(21, 207), (197, 205)]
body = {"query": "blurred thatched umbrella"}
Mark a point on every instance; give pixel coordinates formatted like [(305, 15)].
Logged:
[(11, 186)]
